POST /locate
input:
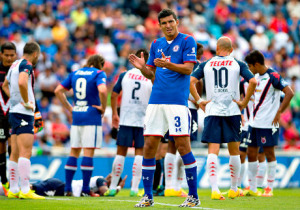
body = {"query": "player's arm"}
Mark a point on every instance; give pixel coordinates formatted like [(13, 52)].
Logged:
[(103, 97), (139, 63), (114, 107), (23, 87), (60, 94), (5, 87)]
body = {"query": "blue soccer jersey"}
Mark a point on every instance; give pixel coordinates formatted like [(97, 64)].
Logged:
[(85, 84), (169, 86)]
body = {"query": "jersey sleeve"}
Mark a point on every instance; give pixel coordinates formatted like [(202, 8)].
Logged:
[(118, 86), (190, 50), (151, 58), (101, 78), (277, 81), (199, 71), (67, 83), (25, 66), (244, 71)]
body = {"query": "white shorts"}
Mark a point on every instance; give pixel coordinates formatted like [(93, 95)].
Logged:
[(88, 136), (161, 117)]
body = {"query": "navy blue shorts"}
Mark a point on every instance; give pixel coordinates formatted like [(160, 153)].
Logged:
[(243, 144), (194, 124), (263, 137), (219, 129), (4, 129), (130, 136), (21, 123)]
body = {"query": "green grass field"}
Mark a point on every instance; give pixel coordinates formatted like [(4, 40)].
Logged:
[(283, 199)]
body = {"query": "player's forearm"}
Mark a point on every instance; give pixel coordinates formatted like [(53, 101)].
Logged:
[(185, 68), (199, 87), (289, 94), (5, 88), (114, 104), (24, 92), (148, 73), (193, 89), (250, 90), (59, 92), (103, 98)]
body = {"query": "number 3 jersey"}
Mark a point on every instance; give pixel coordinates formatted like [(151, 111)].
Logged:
[(136, 90), (222, 84), (267, 99), (85, 82)]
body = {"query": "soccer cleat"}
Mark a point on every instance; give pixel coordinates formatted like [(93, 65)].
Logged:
[(133, 193), (190, 202), (30, 195), (268, 192), (160, 191), (181, 193), (90, 194), (217, 196), (240, 192), (110, 193), (68, 193), (10, 194), (261, 190), (170, 193), (5, 188), (247, 188), (251, 193), (233, 194), (145, 202)]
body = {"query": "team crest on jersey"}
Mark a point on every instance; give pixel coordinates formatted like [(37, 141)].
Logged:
[(175, 48), (263, 140)]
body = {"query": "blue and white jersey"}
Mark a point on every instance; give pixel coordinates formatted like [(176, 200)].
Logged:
[(169, 86), (136, 90), (191, 105), (16, 99), (267, 99), (85, 82), (222, 84)]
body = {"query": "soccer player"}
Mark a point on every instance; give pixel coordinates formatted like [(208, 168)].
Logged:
[(8, 56), (170, 64), (90, 95), (173, 161), (136, 91), (264, 124), (222, 123), (18, 85)]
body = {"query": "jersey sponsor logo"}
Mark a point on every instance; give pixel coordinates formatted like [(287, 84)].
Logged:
[(80, 108), (137, 77), (263, 140), (175, 48), (221, 63), (84, 72)]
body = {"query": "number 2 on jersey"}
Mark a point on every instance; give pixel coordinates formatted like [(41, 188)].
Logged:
[(134, 89), (80, 88)]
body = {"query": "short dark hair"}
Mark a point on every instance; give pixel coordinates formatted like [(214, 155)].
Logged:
[(31, 47), (165, 13), (199, 49), (146, 54), (255, 57), (8, 46), (97, 61)]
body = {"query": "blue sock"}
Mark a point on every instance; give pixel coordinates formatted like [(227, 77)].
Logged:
[(148, 170), (87, 170), (70, 169), (191, 173)]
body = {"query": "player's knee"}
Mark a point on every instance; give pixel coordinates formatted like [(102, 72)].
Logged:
[(252, 154)]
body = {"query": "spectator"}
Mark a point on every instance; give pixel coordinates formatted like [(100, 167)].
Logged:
[(17, 40), (293, 8), (47, 82), (42, 32), (267, 9), (59, 32), (107, 50), (279, 23), (79, 16), (259, 40), (8, 28)]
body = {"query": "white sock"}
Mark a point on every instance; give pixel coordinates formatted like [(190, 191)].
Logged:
[(212, 169), (169, 168), (136, 172), (117, 170), (235, 169), (241, 177), (24, 173), (252, 171), (13, 176), (179, 176), (262, 167), (271, 173)]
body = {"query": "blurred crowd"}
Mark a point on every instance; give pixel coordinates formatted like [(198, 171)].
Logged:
[(71, 30)]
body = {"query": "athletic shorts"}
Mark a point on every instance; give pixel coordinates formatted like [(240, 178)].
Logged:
[(87, 136), (130, 136), (243, 144), (161, 117), (263, 137), (219, 129), (194, 125), (21, 123), (4, 129)]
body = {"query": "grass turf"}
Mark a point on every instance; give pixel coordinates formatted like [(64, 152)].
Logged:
[(283, 199)]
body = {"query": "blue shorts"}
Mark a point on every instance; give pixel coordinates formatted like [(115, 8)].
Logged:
[(263, 137), (243, 144), (130, 136), (194, 125), (21, 123), (219, 129)]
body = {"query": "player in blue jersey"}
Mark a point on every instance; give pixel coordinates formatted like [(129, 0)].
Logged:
[(222, 123), (90, 95), (170, 64)]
